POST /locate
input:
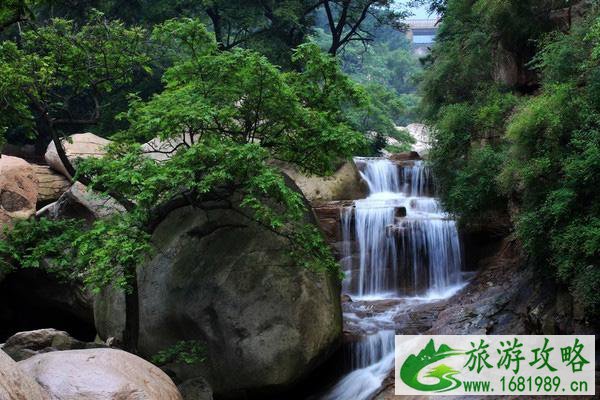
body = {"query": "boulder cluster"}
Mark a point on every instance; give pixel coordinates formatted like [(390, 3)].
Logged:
[(219, 279)]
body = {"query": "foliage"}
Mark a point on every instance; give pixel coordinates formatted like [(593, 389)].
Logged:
[(348, 20), (58, 76), (230, 112), (473, 190), (183, 352), (385, 68), (494, 143), (467, 155), (271, 27), (298, 116), (380, 114), (102, 255), (555, 142), (13, 12), (227, 110), (110, 251), (28, 243), (386, 62)]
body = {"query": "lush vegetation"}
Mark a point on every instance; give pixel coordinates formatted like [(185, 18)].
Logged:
[(183, 352), (384, 63), (215, 93), (526, 135)]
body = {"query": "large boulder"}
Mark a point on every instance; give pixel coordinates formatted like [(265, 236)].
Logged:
[(227, 282), (18, 189), (15, 384), (27, 344), (51, 185), (80, 145), (344, 184), (99, 374), (80, 203)]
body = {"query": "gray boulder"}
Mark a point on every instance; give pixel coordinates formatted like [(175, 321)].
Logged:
[(230, 284), (80, 203), (195, 389), (27, 344)]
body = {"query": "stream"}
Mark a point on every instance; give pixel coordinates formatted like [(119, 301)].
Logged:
[(400, 251)]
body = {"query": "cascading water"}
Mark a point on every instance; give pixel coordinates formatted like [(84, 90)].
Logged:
[(407, 245), (367, 375), (397, 244)]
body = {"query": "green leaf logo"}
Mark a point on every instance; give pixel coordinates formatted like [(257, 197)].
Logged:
[(413, 365)]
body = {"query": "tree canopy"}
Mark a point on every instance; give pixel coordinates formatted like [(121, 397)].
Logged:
[(524, 138), (229, 113)]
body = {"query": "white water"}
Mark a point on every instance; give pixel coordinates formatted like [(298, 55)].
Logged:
[(414, 256), (367, 375)]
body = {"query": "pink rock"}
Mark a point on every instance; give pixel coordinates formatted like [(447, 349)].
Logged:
[(99, 374)]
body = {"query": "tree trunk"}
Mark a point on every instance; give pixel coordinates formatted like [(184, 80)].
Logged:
[(62, 155), (215, 18), (132, 317)]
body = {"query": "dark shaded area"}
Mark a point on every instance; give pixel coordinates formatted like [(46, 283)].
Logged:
[(478, 246), (316, 384), (32, 299), (325, 377), (484, 239)]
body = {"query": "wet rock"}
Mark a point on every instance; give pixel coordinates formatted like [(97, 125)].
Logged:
[(346, 298), (80, 145), (18, 189), (400, 212), (99, 374), (15, 384), (331, 228), (406, 156), (329, 216)]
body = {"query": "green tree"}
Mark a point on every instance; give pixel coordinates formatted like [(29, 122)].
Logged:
[(13, 12), (231, 114), (497, 140), (58, 77)]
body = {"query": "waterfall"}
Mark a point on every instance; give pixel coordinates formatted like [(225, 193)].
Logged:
[(380, 174), (372, 360), (400, 253), (398, 243), (416, 179), (377, 248)]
